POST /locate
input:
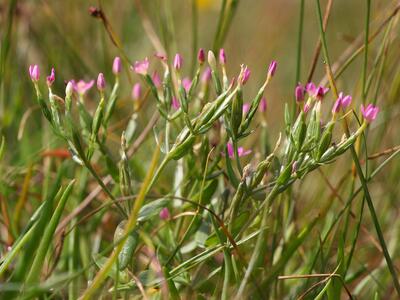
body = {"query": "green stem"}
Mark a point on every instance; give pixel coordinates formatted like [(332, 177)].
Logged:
[(298, 59)]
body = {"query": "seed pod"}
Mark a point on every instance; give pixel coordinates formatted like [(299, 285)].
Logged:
[(325, 139), (132, 240), (183, 99), (284, 175), (179, 150), (236, 112), (98, 118)]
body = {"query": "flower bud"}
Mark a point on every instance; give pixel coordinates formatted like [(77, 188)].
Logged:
[(272, 68), (206, 76), (178, 61), (136, 91), (201, 56), (263, 104), (50, 79), (299, 93), (69, 89), (34, 73), (222, 56), (211, 60), (245, 75), (164, 214), (117, 67), (101, 82)]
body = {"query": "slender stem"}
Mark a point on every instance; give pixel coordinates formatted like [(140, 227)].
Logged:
[(195, 35), (299, 48), (365, 64)]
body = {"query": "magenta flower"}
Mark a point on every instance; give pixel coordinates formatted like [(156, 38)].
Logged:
[(337, 105), (206, 76), (186, 83), (201, 56), (346, 100), (156, 79), (117, 66), (263, 104), (178, 61), (299, 93), (164, 214), (310, 88), (241, 151), (272, 68), (50, 79), (320, 92), (175, 103), (370, 112), (222, 56), (246, 108), (141, 67), (245, 75), (34, 73), (101, 82), (136, 91), (81, 87)]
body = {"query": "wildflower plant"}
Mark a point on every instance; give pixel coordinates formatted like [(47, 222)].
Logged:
[(307, 144), (203, 210)]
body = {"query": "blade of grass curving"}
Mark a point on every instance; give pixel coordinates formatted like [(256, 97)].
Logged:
[(45, 242)]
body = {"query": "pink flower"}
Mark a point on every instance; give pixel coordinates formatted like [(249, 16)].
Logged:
[(370, 112), (272, 68), (246, 108), (178, 61), (186, 82), (310, 88), (117, 67), (34, 73), (50, 79), (156, 79), (201, 56), (263, 104), (206, 76), (136, 91), (245, 75), (81, 87), (320, 92), (337, 105), (175, 103), (299, 93), (141, 67), (346, 100), (222, 56), (164, 214), (101, 82), (241, 151)]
